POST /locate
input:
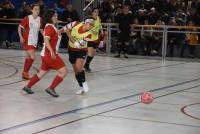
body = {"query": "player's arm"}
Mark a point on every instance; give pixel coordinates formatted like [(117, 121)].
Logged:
[(85, 40), (41, 28), (48, 46), (21, 29), (47, 36), (42, 31), (67, 29), (101, 28), (20, 32)]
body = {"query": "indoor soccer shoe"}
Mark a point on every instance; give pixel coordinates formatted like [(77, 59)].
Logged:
[(85, 87), (80, 92), (52, 92), (28, 90)]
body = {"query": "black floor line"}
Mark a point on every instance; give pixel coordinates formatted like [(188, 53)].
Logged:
[(145, 120), (80, 119), (12, 74), (87, 107), (147, 69)]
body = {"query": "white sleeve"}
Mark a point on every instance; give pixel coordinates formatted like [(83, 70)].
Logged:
[(70, 26)]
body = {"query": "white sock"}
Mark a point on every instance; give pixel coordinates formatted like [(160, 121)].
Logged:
[(85, 87)]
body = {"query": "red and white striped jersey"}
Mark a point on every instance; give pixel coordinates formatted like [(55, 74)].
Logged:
[(31, 28), (51, 32)]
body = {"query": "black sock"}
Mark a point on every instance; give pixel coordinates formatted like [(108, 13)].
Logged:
[(81, 78), (88, 61)]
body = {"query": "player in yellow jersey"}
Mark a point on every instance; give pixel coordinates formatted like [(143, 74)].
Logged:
[(92, 45), (79, 34)]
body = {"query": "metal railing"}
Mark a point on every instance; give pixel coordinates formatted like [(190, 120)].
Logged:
[(110, 27), (164, 29)]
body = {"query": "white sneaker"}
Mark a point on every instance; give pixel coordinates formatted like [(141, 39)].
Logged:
[(85, 87), (80, 92)]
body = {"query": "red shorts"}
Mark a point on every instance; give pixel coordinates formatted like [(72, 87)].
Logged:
[(29, 47), (48, 63)]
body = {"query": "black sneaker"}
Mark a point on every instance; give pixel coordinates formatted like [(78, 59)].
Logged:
[(117, 56), (8, 44), (52, 92), (125, 56), (28, 90)]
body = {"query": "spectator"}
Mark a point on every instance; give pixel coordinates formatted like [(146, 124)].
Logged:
[(147, 39), (42, 6), (153, 16), (25, 10), (125, 19), (106, 11), (192, 41), (8, 11), (70, 14), (157, 38)]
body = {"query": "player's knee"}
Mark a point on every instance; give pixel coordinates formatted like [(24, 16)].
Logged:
[(32, 57), (79, 69), (63, 72), (41, 73)]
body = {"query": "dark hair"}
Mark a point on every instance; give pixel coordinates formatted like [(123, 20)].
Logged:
[(34, 5), (94, 9), (47, 17)]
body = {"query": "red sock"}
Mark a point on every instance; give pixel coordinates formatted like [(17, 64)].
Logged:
[(33, 80), (27, 65), (56, 82)]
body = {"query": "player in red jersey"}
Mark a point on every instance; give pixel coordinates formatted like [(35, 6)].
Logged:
[(50, 56), (28, 31)]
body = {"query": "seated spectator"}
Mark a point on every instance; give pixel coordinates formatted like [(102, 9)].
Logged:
[(153, 16), (147, 38), (25, 10), (192, 41), (8, 10), (42, 6), (157, 38), (70, 14)]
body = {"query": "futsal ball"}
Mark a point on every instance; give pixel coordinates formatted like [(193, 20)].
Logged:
[(147, 98)]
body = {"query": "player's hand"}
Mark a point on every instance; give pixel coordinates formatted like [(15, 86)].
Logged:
[(77, 44), (53, 56), (101, 44)]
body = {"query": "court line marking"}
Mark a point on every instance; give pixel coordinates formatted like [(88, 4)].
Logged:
[(188, 114), (145, 120), (147, 69), (137, 64), (14, 73), (6, 84), (91, 106), (125, 106)]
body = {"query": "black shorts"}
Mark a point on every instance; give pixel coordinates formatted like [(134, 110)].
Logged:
[(74, 55), (123, 37), (92, 44)]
